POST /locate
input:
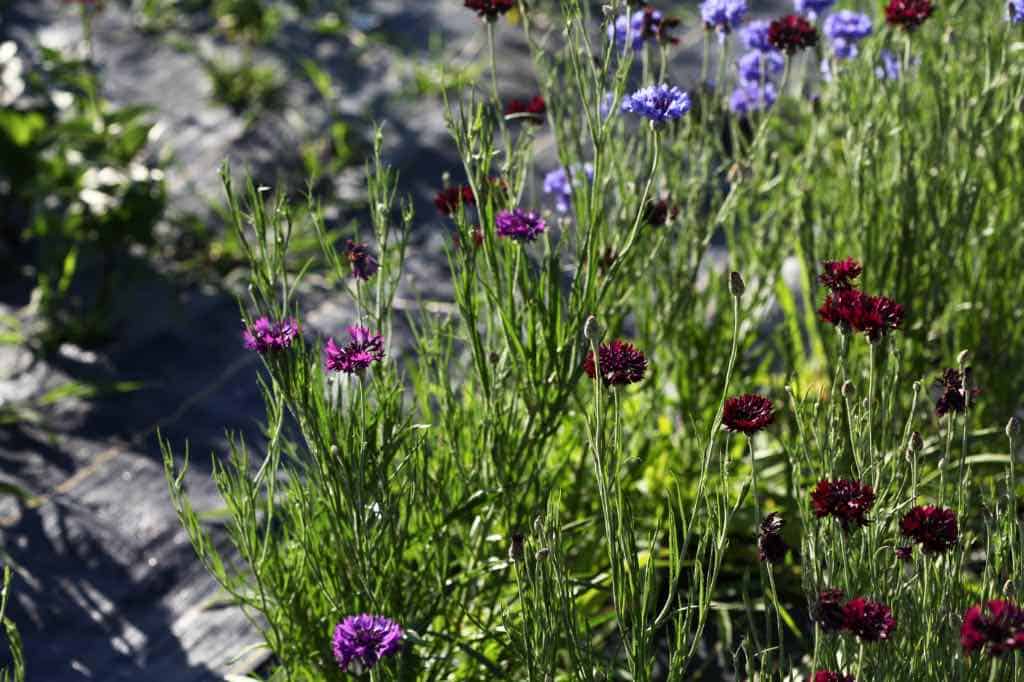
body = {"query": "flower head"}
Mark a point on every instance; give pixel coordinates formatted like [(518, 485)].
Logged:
[(619, 362), (908, 14), (904, 553), (747, 413), (827, 612), (756, 67), (831, 676), (560, 183), (852, 309), (754, 36), (889, 69), (954, 393), (792, 33), (751, 97), (723, 15), (839, 274), (845, 29), (934, 528), (532, 110), (770, 545), (519, 225), (812, 8), (490, 9), (659, 103), (646, 24), (660, 212), (1015, 11), (449, 199), (360, 642), (871, 621), (265, 335), (998, 625), (364, 349), (848, 501), (364, 265)]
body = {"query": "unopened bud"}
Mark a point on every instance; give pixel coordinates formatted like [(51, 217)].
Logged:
[(963, 357), (515, 548), (848, 389), (592, 330), (1012, 427), (917, 388), (542, 553), (916, 442), (1008, 588), (736, 284)]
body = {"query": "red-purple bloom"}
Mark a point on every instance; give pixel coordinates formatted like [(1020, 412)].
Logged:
[(360, 642), (852, 309), (792, 33), (770, 545), (619, 362), (839, 274), (904, 553), (847, 501), (490, 9), (908, 14), (954, 396), (364, 265), (934, 528), (532, 110), (658, 213), (363, 350), (871, 621), (999, 625), (655, 26), (827, 612), (747, 413), (449, 199), (519, 225), (264, 335), (832, 676)]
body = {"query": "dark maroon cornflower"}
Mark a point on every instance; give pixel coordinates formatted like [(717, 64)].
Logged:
[(364, 265), (839, 274), (953, 397), (265, 335), (490, 9), (532, 110), (908, 14), (792, 33), (658, 27), (871, 621), (854, 310), (620, 363), (831, 676), (847, 500), (360, 642), (904, 553), (999, 624), (363, 350), (827, 612), (519, 225), (449, 199), (747, 413), (934, 528), (658, 213), (770, 545)]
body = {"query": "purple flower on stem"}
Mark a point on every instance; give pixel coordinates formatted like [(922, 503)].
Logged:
[(619, 363), (360, 642), (812, 8), (770, 545), (519, 225), (658, 103), (560, 183), (756, 66), (264, 335), (1015, 11), (754, 36), (723, 15), (364, 349), (752, 97), (643, 25), (845, 29), (364, 265), (889, 69)]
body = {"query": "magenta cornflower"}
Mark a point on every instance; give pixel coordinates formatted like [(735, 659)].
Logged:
[(998, 626), (490, 9), (851, 309), (827, 612), (449, 199), (364, 349), (747, 413), (770, 545), (519, 225), (847, 501), (908, 14), (620, 363), (871, 621), (265, 335), (792, 33), (934, 528), (839, 274), (954, 396), (532, 110), (360, 642), (364, 265)]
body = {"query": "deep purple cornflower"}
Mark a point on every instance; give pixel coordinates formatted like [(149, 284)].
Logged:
[(792, 33), (839, 274), (449, 199), (812, 8), (754, 36), (851, 309), (997, 626), (848, 501), (953, 395), (845, 29), (908, 14), (620, 363), (869, 620), (756, 67), (751, 97), (364, 349), (531, 110), (827, 611), (360, 642), (658, 103), (560, 183), (934, 528), (1015, 11), (265, 335), (660, 212), (364, 265), (832, 676), (490, 9), (770, 545), (889, 69), (723, 15), (747, 413), (519, 225)]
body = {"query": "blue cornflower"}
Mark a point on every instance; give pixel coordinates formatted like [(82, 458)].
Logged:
[(889, 69), (751, 97), (756, 66), (845, 29), (630, 29), (560, 183), (659, 103), (754, 36), (812, 8), (1015, 11), (723, 15)]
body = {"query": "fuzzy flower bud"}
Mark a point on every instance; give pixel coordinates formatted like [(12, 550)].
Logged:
[(1012, 427), (736, 284)]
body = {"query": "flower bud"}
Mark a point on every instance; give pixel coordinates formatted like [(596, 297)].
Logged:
[(736, 284), (916, 442), (848, 389), (592, 330), (542, 553), (1012, 427), (963, 357), (515, 548)]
